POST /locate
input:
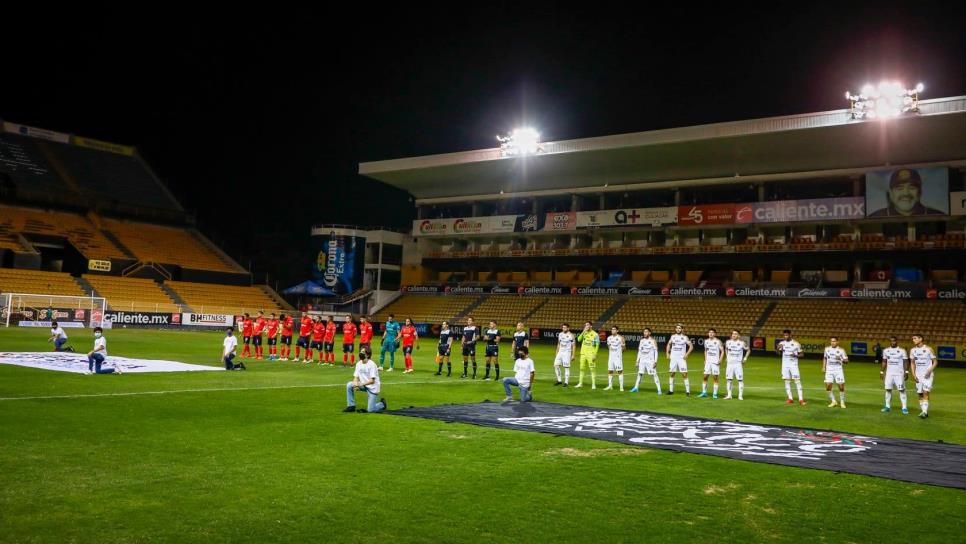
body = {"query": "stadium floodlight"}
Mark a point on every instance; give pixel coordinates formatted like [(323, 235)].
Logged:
[(883, 101), (520, 142)]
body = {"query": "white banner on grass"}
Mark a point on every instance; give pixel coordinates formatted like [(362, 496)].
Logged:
[(207, 320), (47, 324), (77, 363)]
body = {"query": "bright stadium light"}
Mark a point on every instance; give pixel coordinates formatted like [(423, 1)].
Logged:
[(520, 141), (883, 101)]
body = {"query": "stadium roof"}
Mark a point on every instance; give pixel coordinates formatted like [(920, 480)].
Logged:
[(813, 144)]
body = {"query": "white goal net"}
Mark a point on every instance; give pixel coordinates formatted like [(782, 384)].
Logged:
[(38, 310)]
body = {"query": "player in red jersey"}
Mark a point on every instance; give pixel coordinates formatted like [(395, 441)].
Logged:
[(246, 325), (318, 334), (330, 330), (288, 327), (258, 328), (272, 337), (348, 341), (409, 339), (365, 333), (305, 331)]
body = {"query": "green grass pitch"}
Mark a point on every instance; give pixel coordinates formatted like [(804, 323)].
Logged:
[(267, 456)]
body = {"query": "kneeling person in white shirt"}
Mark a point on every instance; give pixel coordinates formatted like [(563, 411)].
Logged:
[(523, 368), (98, 356), (365, 378)]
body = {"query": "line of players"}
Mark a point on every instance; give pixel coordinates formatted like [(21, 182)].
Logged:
[(895, 363), (313, 335)]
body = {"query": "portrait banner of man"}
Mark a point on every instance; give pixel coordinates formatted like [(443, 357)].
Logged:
[(907, 192)]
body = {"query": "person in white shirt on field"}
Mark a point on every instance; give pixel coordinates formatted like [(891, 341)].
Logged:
[(678, 348), (790, 350), (647, 354), (365, 378), (565, 354), (736, 353), (58, 337), (228, 347), (615, 358), (523, 378), (833, 365), (98, 356), (924, 368), (894, 373), (712, 363)]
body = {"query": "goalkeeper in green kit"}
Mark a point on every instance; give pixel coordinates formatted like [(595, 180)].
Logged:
[(589, 341)]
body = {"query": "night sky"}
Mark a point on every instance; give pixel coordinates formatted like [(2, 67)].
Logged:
[(258, 125)]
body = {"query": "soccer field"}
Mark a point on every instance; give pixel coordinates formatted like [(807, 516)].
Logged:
[(267, 456)]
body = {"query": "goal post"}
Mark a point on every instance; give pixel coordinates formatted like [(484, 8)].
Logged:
[(38, 310)]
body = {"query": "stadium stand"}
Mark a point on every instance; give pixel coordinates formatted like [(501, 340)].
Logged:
[(573, 310), (76, 229), (132, 294), (869, 320), (697, 315), (41, 283), (507, 310), (23, 160), (170, 245), (428, 309), (212, 298)]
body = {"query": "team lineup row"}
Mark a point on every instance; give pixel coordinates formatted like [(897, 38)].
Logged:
[(896, 365)]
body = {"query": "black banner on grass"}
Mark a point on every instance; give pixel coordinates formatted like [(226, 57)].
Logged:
[(892, 458)]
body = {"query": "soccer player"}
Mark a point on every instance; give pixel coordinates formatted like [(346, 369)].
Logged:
[(520, 338), (895, 372), (306, 326), (712, 363), (288, 327), (318, 338), (410, 339), (736, 352), (258, 328), (348, 341), (589, 342), (444, 349), (523, 368), (678, 348), (647, 353), (833, 365), (272, 337), (470, 336), (615, 358), (365, 378), (330, 330), (97, 356), (229, 345), (565, 354), (492, 337), (390, 339), (365, 333), (790, 350), (58, 337), (924, 370), (246, 326)]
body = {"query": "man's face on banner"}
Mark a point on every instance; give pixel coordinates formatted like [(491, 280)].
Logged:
[(904, 197)]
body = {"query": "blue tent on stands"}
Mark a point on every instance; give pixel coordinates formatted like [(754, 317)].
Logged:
[(308, 288)]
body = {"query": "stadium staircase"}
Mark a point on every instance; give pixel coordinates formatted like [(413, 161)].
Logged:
[(117, 242), (224, 257), (175, 297), (763, 318), (282, 303), (609, 312), (534, 310), (87, 287), (466, 311)]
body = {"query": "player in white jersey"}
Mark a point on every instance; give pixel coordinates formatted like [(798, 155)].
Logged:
[(923, 362), (565, 354), (894, 373), (833, 365), (678, 348), (790, 350), (712, 363), (615, 358), (647, 360), (736, 352)]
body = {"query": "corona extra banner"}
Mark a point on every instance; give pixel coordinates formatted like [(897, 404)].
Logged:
[(339, 264)]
